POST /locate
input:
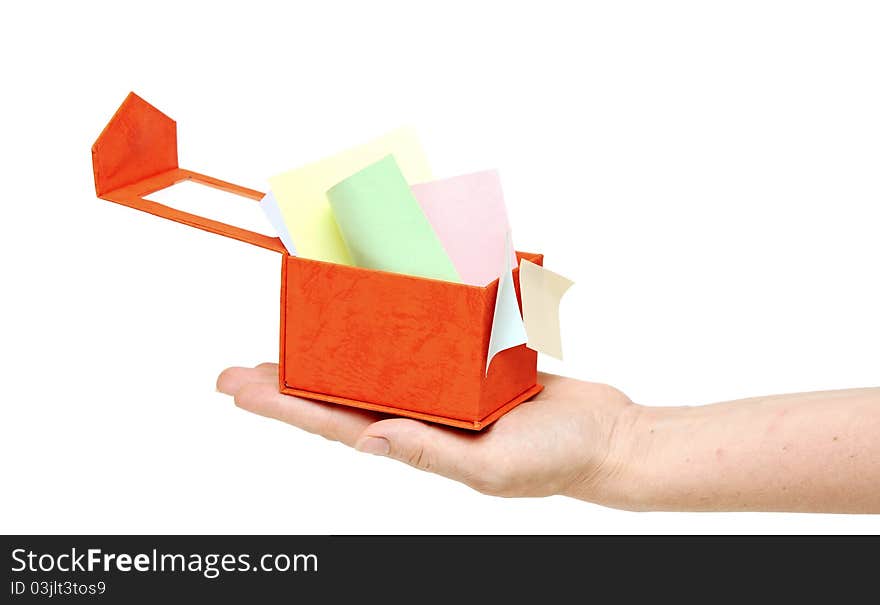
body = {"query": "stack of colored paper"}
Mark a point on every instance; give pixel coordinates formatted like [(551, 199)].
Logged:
[(376, 206)]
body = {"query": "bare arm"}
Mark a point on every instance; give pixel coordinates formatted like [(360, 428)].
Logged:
[(817, 452), (807, 452)]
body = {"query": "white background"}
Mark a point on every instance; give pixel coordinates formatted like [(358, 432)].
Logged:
[(707, 173)]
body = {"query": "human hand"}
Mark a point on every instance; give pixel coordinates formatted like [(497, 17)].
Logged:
[(566, 440)]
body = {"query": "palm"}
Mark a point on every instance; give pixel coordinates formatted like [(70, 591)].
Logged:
[(542, 447)]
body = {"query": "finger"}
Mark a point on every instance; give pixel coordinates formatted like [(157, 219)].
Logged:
[(267, 367), (429, 448), (232, 379), (325, 419)]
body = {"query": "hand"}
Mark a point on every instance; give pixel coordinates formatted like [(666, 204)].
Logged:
[(800, 452), (563, 441)]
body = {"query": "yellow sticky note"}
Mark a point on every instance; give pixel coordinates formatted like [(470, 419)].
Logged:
[(302, 193), (542, 291)]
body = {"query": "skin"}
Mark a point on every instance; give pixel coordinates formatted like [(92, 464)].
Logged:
[(807, 452)]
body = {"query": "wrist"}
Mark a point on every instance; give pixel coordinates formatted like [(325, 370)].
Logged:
[(623, 479)]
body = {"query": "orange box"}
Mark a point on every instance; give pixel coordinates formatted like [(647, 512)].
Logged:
[(381, 341)]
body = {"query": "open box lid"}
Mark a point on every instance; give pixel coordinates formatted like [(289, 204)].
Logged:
[(136, 155)]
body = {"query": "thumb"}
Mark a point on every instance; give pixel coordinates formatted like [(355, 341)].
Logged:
[(425, 447)]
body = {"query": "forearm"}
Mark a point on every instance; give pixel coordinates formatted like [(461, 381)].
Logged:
[(817, 452)]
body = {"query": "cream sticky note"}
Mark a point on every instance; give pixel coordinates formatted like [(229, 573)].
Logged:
[(542, 291), (469, 216), (302, 192), (507, 324), (270, 208), (383, 225)]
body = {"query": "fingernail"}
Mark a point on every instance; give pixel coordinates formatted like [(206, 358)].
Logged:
[(374, 445)]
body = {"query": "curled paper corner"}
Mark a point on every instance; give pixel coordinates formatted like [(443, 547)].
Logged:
[(270, 208), (542, 291), (507, 324)]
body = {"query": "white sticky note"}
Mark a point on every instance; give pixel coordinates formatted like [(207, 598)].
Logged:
[(542, 291), (270, 207), (507, 324)]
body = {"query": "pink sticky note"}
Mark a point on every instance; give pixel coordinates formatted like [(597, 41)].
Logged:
[(469, 216)]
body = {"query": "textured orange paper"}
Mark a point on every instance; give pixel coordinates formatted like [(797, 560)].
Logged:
[(397, 342), (371, 339), (136, 155)]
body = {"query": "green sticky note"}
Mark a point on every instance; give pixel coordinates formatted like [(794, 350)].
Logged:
[(383, 225)]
